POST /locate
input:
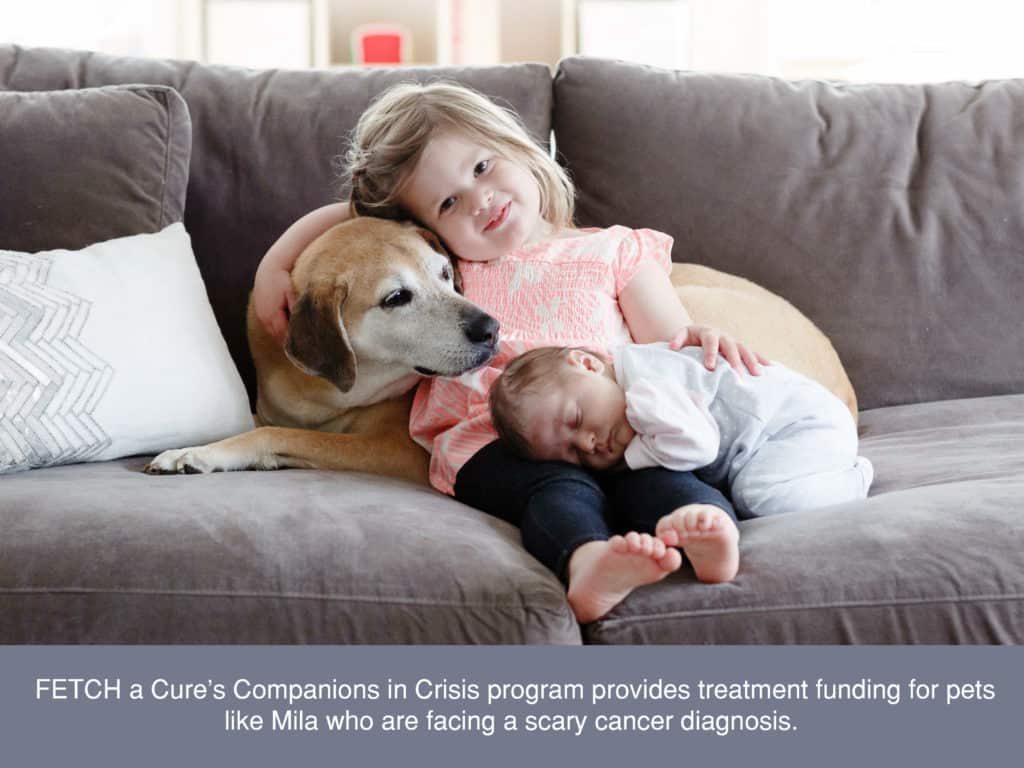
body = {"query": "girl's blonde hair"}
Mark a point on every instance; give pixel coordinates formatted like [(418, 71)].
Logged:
[(390, 137)]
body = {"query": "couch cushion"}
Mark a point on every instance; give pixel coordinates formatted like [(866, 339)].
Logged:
[(946, 443), (103, 553), (889, 214), (265, 145), (934, 555), (84, 166)]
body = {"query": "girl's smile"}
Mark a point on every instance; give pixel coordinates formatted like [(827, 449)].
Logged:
[(498, 220)]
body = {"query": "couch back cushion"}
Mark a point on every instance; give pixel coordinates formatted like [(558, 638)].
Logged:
[(264, 145), (81, 167), (889, 214)]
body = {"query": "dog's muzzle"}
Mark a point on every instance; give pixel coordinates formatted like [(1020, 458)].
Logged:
[(481, 330)]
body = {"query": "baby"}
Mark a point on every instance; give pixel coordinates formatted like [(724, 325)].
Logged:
[(780, 442)]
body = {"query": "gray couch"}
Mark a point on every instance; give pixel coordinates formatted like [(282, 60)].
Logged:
[(891, 215)]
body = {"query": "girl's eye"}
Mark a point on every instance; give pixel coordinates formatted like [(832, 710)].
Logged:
[(481, 167), (447, 203), (396, 298)]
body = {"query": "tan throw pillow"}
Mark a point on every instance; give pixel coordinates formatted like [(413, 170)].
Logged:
[(764, 322)]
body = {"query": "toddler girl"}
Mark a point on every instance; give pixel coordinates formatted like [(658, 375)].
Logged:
[(456, 163)]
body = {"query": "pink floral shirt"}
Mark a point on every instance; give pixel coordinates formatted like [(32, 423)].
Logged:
[(561, 292)]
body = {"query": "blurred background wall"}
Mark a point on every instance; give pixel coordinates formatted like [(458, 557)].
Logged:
[(870, 40)]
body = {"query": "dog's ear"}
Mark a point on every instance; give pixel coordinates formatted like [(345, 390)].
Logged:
[(435, 243), (432, 240), (317, 342)]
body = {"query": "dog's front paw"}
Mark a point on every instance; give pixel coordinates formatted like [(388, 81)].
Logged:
[(180, 461)]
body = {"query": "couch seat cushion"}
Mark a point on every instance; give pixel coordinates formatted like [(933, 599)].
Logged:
[(104, 553), (934, 555)]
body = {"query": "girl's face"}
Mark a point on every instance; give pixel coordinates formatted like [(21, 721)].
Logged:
[(581, 417), (480, 204)]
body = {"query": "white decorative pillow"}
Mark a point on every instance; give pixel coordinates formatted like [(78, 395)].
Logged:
[(111, 351)]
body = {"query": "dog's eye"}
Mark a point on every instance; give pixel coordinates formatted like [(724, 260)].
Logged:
[(446, 274), (396, 298)]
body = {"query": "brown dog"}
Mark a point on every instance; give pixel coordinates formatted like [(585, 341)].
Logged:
[(378, 307)]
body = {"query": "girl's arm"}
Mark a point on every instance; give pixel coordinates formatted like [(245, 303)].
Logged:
[(654, 312), (272, 293)]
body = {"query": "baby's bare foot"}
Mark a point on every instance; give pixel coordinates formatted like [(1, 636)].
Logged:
[(709, 538), (602, 573)]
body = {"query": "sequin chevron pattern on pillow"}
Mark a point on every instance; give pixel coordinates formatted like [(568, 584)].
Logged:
[(111, 351), (50, 383)]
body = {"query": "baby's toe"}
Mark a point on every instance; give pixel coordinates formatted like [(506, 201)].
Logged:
[(670, 537), (671, 560), (657, 548)]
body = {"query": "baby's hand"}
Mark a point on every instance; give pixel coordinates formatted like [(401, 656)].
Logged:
[(273, 297), (715, 342)]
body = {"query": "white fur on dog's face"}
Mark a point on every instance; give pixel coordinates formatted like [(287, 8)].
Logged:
[(417, 318)]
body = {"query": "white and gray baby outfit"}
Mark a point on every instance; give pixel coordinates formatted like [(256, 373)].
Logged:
[(782, 442)]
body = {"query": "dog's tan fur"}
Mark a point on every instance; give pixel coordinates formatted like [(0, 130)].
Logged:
[(338, 395), (338, 398)]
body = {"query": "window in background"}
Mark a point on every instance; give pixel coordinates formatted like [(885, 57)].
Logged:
[(866, 40), (121, 27), (258, 33), (860, 40), (898, 40), (655, 32)]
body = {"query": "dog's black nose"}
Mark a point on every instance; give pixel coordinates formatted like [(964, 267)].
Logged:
[(481, 328)]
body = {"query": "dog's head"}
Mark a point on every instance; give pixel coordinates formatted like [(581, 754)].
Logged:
[(372, 290)]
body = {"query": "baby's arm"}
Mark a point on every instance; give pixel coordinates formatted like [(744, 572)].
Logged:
[(654, 312), (272, 291), (674, 428)]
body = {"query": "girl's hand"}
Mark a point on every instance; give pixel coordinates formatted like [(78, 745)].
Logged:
[(273, 297), (272, 292), (715, 342)]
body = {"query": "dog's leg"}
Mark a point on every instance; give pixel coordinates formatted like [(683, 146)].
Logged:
[(245, 451), (280, 447)]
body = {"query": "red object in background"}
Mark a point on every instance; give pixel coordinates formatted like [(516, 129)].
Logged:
[(381, 44), (382, 49)]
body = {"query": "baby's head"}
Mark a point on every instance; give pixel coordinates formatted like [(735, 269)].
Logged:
[(449, 158), (562, 404)]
